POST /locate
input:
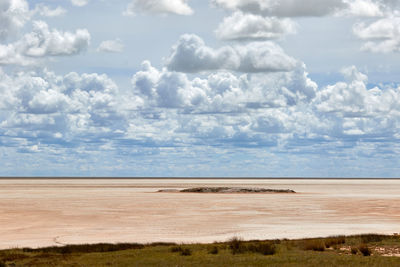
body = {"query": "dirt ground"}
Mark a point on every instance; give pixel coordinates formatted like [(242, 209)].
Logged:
[(52, 211)]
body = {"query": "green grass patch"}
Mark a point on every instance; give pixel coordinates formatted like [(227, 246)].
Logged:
[(330, 251)]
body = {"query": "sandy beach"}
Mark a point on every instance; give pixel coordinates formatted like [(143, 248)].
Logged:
[(45, 212)]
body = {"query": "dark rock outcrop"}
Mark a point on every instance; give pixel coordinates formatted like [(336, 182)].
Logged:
[(229, 190)]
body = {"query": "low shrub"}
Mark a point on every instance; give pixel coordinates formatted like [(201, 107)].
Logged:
[(164, 244), (314, 244), (263, 248), (334, 241), (372, 238), (186, 252), (12, 256), (290, 245), (354, 250), (365, 250), (213, 250), (176, 249), (236, 245)]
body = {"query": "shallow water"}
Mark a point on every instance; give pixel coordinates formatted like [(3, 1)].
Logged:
[(53, 211)]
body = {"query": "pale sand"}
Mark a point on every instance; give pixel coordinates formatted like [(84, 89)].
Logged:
[(50, 212)]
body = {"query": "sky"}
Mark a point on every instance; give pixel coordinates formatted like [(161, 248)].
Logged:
[(200, 88)]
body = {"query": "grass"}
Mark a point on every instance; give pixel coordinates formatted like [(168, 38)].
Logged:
[(314, 244), (87, 248), (183, 251), (236, 245), (331, 251), (264, 248)]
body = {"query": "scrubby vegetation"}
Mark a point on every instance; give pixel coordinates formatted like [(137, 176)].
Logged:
[(264, 248), (371, 238), (314, 244), (365, 250), (87, 248), (358, 250), (236, 245), (334, 241), (186, 252), (213, 250), (354, 250)]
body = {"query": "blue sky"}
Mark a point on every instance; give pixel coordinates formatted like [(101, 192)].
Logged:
[(249, 88)]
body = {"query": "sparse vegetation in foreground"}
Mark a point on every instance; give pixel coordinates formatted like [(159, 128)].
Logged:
[(358, 250)]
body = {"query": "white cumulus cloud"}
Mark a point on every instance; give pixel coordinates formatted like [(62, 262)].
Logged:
[(48, 106), (283, 8), (43, 42), (112, 46), (222, 91), (46, 11), (363, 8), (13, 16), (382, 35), (240, 26), (179, 7), (190, 54), (308, 8), (352, 99), (79, 2)]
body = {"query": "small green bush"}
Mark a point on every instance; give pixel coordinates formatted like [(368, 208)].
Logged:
[(365, 250)]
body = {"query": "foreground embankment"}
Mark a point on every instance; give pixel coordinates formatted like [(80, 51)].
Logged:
[(360, 250)]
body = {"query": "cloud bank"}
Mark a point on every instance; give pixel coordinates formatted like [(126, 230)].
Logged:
[(206, 108)]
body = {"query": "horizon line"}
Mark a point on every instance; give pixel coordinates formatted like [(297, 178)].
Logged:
[(189, 178)]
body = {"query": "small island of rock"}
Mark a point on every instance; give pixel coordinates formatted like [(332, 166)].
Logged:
[(228, 190)]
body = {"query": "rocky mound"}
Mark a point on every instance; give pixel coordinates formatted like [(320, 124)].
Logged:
[(229, 190)]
